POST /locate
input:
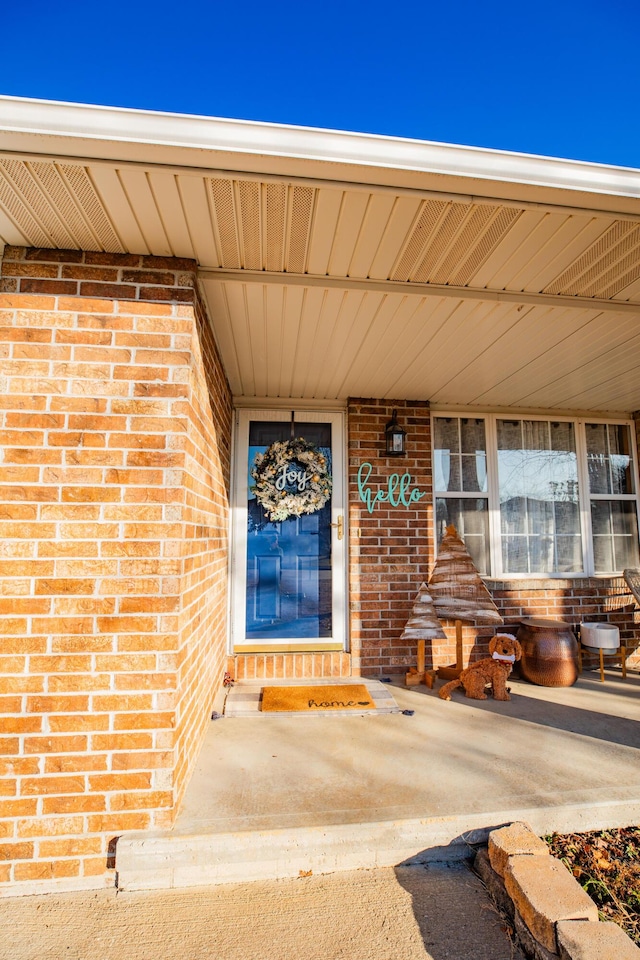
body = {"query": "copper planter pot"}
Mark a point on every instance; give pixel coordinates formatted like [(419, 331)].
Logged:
[(549, 652)]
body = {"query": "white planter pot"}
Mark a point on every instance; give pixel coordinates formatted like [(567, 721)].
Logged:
[(600, 636)]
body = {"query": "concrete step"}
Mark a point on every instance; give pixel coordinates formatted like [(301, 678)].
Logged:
[(164, 861), (145, 861)]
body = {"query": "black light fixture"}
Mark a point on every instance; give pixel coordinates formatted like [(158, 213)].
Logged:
[(394, 437)]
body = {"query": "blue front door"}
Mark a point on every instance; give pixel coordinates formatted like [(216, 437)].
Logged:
[(289, 566), (288, 561)]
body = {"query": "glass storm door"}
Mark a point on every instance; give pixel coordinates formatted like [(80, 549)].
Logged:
[(288, 575)]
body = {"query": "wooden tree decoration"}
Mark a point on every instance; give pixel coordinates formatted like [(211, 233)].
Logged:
[(422, 625), (459, 593)]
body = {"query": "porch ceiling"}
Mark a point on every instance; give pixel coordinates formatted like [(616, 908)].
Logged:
[(328, 276)]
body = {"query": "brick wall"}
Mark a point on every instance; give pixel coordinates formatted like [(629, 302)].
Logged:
[(605, 599), (391, 548), (115, 426), (202, 650), (392, 552)]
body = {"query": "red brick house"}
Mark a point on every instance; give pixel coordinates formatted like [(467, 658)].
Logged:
[(177, 293)]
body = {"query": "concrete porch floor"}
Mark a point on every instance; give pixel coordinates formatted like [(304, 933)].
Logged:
[(281, 796)]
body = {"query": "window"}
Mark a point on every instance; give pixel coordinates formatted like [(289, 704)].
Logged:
[(537, 496), (460, 481), (613, 503)]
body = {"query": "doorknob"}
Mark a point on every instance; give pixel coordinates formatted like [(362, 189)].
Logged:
[(340, 526)]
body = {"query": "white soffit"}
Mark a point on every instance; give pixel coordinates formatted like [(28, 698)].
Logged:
[(286, 340), (338, 264)]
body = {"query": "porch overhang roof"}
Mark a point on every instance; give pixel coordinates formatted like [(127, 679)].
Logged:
[(339, 264)]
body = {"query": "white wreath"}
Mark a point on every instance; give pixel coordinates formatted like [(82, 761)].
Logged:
[(291, 478)]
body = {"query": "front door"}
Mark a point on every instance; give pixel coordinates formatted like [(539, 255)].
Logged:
[(288, 584)]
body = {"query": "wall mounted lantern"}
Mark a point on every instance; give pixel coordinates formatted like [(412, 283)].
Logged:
[(394, 437)]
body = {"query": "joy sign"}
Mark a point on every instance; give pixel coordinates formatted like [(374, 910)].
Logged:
[(288, 476)]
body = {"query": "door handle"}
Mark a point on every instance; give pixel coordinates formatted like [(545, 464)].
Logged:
[(340, 526)]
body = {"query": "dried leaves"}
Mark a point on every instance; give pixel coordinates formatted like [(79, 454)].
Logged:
[(607, 865)]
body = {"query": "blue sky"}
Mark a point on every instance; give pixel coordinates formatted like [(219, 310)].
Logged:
[(555, 78)]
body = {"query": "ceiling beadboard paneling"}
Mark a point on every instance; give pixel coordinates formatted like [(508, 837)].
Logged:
[(318, 343), (244, 223), (250, 223), (443, 237), (357, 315), (197, 214), (632, 292), (583, 359), (401, 220), (226, 222), (568, 235), (171, 209), (57, 203), (379, 209), (17, 212), (350, 224), (72, 193), (32, 207), (492, 228), (325, 222), (114, 199), (607, 266), (464, 329), (419, 239), (274, 226), (9, 233), (298, 228), (215, 295), (135, 184), (310, 284)]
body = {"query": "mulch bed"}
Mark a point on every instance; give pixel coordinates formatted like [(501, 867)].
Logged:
[(606, 864)]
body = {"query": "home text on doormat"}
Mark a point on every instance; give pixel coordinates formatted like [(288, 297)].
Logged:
[(318, 699)]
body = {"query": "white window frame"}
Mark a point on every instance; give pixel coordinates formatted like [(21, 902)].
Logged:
[(584, 494)]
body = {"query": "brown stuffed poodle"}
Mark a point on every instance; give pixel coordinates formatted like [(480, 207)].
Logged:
[(492, 671)]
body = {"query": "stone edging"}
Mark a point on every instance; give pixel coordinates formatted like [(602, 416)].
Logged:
[(552, 914)]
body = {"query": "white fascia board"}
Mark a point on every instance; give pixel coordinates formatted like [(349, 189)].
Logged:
[(185, 140)]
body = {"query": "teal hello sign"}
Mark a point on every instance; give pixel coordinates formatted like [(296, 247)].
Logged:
[(398, 490)]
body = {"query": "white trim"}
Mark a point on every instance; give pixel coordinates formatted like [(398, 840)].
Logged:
[(184, 133), (288, 403), (584, 503), (528, 413), (493, 491)]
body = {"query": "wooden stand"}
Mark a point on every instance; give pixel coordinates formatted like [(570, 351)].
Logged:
[(453, 672), (621, 654), (417, 675)]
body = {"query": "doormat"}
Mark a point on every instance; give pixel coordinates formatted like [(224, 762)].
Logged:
[(244, 699), (324, 699)]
